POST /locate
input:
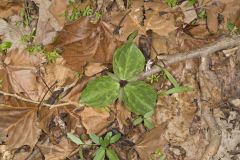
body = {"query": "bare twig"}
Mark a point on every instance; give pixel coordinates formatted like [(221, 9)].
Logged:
[(214, 129), (37, 102), (221, 44)]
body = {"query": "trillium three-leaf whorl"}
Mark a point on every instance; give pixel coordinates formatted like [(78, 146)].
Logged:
[(139, 97)]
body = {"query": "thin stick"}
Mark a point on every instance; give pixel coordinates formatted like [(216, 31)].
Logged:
[(37, 102), (224, 43)]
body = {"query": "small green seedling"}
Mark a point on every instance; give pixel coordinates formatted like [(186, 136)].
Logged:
[(28, 38), (103, 144), (34, 48), (177, 88), (232, 28), (51, 56), (191, 2), (145, 119), (157, 155), (73, 12), (4, 46), (202, 14), (138, 96), (171, 3), (154, 78)]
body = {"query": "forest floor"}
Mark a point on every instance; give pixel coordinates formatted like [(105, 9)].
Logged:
[(51, 49)]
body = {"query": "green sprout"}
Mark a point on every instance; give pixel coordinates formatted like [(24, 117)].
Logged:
[(171, 3), (232, 28), (103, 144), (157, 155), (153, 78), (4, 46), (202, 14), (51, 56), (145, 119), (34, 48)]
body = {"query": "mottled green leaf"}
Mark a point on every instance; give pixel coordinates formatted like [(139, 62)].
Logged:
[(5, 45), (100, 92), (171, 78), (115, 138), (100, 154), (74, 138), (133, 35), (139, 97), (94, 138), (148, 115), (179, 89), (128, 61), (137, 121), (111, 154), (147, 123)]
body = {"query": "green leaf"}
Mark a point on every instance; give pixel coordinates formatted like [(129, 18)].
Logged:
[(139, 97), (5, 45), (100, 154), (128, 61), (94, 138), (179, 89), (115, 138), (137, 121), (100, 92), (148, 124), (107, 139), (133, 35), (171, 78), (111, 154), (148, 115), (75, 139)]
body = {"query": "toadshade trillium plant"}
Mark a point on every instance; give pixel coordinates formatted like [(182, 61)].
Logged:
[(138, 96)]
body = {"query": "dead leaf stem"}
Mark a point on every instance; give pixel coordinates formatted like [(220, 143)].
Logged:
[(224, 43)]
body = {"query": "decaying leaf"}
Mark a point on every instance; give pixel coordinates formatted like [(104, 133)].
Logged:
[(151, 141), (94, 68), (95, 120), (9, 8), (82, 41), (56, 151), (20, 125), (122, 115)]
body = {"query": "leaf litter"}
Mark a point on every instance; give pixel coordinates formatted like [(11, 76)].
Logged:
[(39, 98)]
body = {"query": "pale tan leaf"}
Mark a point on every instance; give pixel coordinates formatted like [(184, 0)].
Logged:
[(20, 125), (94, 68), (151, 141), (95, 120)]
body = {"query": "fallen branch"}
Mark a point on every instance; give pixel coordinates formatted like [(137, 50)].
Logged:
[(37, 102), (224, 43), (215, 133)]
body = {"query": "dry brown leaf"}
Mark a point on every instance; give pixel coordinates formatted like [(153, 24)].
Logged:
[(143, 17), (122, 115), (151, 141), (49, 20), (82, 41), (94, 68), (20, 57), (13, 34), (57, 122), (95, 120), (56, 151), (74, 94), (23, 80), (9, 8), (19, 124)]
